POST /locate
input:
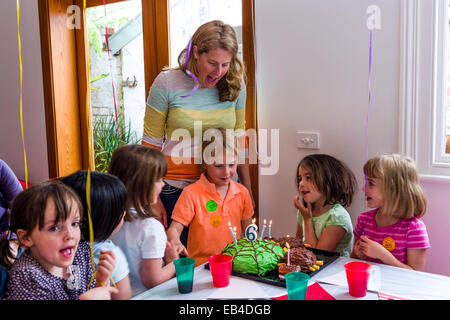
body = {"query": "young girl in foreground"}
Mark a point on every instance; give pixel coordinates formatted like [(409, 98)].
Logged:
[(142, 237), (55, 265), (392, 233), (108, 201), (326, 186)]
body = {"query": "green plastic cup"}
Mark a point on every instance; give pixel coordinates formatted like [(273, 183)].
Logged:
[(296, 284), (184, 268)]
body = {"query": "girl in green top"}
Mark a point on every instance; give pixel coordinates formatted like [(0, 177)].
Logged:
[(326, 186)]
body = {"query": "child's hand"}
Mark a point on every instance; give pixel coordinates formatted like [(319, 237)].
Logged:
[(171, 252), (106, 265), (99, 293), (357, 250), (180, 248), (372, 248), (305, 211)]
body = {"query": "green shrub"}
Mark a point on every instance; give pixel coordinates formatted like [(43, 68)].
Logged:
[(106, 139)]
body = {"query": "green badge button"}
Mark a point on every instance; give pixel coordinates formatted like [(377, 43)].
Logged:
[(211, 206)]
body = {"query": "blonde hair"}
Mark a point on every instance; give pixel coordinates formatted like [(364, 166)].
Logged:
[(217, 35), (228, 145), (403, 195), (139, 167)]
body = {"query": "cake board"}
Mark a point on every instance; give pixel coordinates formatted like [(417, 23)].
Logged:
[(271, 277)]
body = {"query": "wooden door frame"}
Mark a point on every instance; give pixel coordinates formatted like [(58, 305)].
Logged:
[(156, 56)]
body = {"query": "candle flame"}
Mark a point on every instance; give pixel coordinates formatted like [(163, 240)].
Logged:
[(264, 221), (234, 228), (229, 224), (287, 236), (287, 245), (253, 220), (270, 223)]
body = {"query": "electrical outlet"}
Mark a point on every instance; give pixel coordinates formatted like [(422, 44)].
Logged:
[(308, 140)]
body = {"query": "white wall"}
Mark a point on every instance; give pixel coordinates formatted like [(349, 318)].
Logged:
[(312, 75), (33, 98)]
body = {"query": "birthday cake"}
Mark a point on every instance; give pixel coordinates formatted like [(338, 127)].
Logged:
[(255, 257)]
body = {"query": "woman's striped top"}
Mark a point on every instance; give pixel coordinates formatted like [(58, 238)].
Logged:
[(174, 124)]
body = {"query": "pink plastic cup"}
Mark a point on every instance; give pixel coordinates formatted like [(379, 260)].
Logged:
[(220, 266), (357, 277)]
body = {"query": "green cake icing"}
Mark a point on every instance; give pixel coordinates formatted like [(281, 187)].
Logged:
[(256, 257)]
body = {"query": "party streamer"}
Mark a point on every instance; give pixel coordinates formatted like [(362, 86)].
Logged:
[(186, 62), (114, 92), (110, 72), (21, 93), (368, 107), (88, 179)]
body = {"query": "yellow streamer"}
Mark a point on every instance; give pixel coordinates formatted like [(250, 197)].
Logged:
[(21, 93), (88, 179)]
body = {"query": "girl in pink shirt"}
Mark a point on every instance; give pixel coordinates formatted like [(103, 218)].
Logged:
[(392, 233)]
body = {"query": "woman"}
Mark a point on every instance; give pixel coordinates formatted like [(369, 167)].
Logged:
[(175, 102)]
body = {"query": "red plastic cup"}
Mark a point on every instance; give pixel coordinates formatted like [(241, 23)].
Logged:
[(220, 266), (357, 277)]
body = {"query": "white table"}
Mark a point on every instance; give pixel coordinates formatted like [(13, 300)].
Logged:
[(392, 280)]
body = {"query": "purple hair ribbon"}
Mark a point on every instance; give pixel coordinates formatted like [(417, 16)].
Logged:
[(186, 62)]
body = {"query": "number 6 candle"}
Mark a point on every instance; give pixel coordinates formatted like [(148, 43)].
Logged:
[(251, 231)]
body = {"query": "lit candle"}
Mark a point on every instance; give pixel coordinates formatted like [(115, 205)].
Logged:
[(288, 254), (262, 232), (251, 231), (233, 234), (270, 229)]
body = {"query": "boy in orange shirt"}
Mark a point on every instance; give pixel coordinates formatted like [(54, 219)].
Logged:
[(212, 203)]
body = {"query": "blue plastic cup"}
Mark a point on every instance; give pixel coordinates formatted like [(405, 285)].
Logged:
[(296, 285), (184, 268)]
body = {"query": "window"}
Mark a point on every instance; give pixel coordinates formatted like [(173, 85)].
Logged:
[(423, 86), (187, 15), (116, 78)]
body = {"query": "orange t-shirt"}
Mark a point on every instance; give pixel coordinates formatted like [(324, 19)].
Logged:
[(202, 208)]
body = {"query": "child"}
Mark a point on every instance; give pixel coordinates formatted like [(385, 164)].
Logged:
[(213, 201), (326, 186), (392, 233), (56, 265), (108, 202), (142, 237)]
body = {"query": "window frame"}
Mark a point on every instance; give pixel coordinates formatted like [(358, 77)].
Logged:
[(422, 104)]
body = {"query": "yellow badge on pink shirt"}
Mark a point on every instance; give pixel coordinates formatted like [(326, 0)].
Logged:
[(389, 243)]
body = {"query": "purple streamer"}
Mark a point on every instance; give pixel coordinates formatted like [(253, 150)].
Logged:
[(368, 107), (186, 62)]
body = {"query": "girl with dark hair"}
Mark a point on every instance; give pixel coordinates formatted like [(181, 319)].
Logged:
[(56, 265), (108, 203), (326, 186)]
